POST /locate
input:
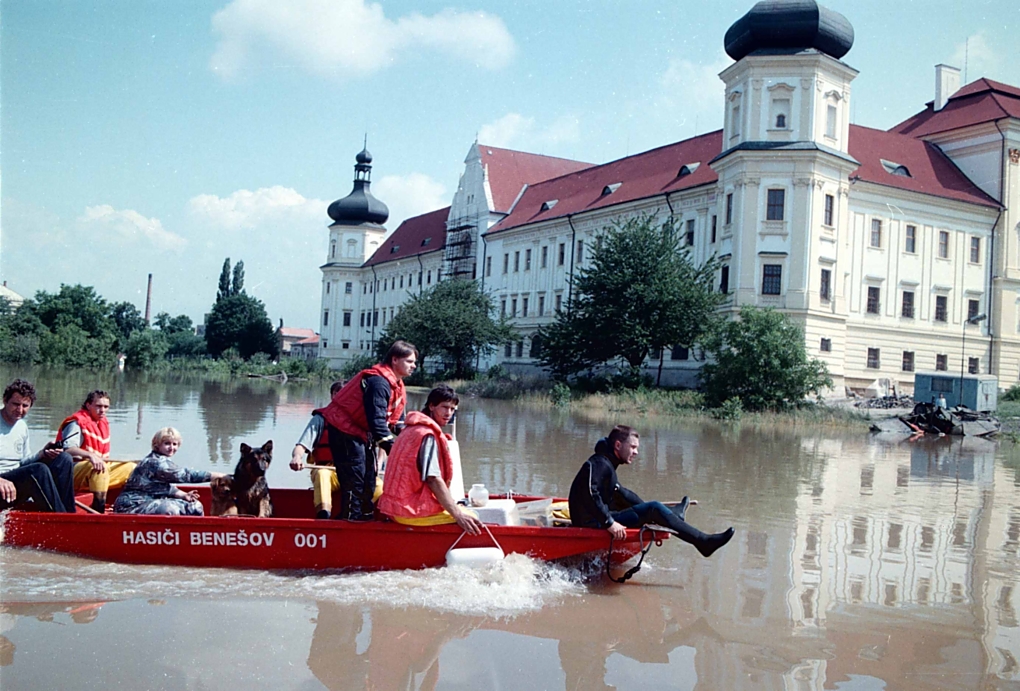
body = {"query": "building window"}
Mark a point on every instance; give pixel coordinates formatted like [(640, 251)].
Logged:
[(735, 122), (824, 291), (972, 309), (325, 318), (973, 365), (488, 266), (520, 348), (830, 122), (874, 299), (536, 346), (874, 358), (327, 288), (943, 244), (375, 318), (876, 232), (689, 239), (524, 307), (348, 288), (347, 318), (508, 350), (545, 256), (771, 279), (724, 279), (517, 261), (325, 344), (729, 208), (908, 361), (362, 319), (911, 240), (345, 345), (541, 305), (830, 210), (580, 251), (679, 353), (559, 303), (775, 210), (562, 254), (941, 364), (430, 277), (527, 260), (781, 121), (941, 308), (513, 307), (506, 262), (715, 222), (826, 345), (419, 277), (907, 307), (975, 250), (502, 307)]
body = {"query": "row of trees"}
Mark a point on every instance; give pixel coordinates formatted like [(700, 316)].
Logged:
[(641, 293), (76, 328)]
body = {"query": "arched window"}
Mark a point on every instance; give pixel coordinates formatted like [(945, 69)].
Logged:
[(781, 121)]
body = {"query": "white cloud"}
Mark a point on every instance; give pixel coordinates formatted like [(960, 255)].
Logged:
[(409, 195), (691, 94), (516, 130), (245, 209), (131, 226), (351, 36), (976, 58)]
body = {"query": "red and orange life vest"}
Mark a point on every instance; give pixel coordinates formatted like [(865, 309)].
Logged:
[(346, 411), (404, 493), (95, 435), (320, 449)]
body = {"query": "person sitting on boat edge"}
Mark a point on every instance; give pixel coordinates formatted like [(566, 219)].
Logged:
[(86, 435), (315, 441), (596, 492), (419, 469), (150, 489), (44, 477), (363, 416)]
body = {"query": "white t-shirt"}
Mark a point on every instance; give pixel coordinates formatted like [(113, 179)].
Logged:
[(14, 445)]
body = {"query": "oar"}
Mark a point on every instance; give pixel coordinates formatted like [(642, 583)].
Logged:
[(88, 509), (320, 467)]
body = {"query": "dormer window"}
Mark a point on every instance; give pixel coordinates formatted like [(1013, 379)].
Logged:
[(687, 169), (609, 189), (894, 168), (394, 249), (425, 242), (546, 206)]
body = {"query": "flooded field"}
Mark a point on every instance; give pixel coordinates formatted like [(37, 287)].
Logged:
[(858, 563)]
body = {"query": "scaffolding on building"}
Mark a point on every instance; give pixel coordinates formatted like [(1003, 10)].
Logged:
[(459, 256)]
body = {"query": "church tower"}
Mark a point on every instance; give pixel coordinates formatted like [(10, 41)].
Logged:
[(356, 233)]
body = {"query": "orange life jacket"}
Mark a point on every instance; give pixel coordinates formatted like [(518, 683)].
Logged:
[(95, 436), (346, 411), (320, 449), (404, 493)]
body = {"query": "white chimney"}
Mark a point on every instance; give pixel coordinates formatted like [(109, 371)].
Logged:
[(947, 83)]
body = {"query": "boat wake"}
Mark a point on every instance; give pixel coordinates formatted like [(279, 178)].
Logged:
[(516, 585)]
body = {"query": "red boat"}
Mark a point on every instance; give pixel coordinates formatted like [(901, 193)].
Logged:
[(291, 539)]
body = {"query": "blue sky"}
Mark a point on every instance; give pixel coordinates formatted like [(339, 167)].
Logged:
[(142, 136)]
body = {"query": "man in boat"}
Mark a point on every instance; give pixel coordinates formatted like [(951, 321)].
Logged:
[(419, 469), (43, 477), (598, 500), (315, 441), (362, 417), (86, 436)]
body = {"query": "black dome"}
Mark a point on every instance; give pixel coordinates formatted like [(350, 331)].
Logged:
[(360, 206), (789, 24)]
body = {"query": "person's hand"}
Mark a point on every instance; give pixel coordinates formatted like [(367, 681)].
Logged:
[(191, 496), (51, 453), (7, 491), (297, 458), (467, 522), (97, 462), (617, 530)]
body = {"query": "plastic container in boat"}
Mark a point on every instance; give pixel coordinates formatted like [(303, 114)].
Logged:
[(478, 495)]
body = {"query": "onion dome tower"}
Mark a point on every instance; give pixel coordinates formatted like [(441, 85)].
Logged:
[(789, 26), (360, 206)]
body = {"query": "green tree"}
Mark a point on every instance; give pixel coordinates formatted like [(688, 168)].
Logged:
[(145, 348), (240, 322), (452, 319), (223, 291), (172, 325), (237, 286), (78, 305), (641, 292), (762, 361), (128, 320)]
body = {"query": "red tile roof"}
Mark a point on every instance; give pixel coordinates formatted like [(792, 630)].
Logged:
[(311, 340), (293, 332), (417, 235), (980, 101), (643, 175), (509, 171), (931, 171)]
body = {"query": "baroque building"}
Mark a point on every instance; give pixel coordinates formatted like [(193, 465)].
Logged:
[(896, 251)]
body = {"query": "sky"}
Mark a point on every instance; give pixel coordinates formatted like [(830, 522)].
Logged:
[(145, 136)]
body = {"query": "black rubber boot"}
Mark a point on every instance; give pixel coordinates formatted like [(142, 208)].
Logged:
[(707, 544), (681, 509)]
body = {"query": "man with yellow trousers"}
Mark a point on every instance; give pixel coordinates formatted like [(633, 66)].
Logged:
[(86, 435), (315, 441)]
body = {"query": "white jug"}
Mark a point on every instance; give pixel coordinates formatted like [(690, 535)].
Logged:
[(478, 495)]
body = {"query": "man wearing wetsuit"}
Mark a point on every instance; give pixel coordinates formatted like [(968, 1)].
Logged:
[(597, 500)]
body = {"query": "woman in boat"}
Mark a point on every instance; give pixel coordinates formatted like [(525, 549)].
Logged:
[(363, 416), (419, 469), (149, 490)]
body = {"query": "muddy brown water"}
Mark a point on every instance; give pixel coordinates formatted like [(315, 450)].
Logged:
[(858, 563)]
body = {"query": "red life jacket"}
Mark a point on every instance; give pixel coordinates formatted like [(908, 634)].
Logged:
[(404, 493), (320, 449), (346, 411), (95, 436)]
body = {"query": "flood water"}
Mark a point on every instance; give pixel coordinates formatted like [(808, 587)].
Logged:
[(858, 563)]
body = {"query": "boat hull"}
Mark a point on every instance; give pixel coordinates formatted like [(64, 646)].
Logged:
[(287, 542)]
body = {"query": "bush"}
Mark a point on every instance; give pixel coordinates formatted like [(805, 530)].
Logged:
[(731, 409), (360, 362), (1013, 394), (560, 395), (145, 349)]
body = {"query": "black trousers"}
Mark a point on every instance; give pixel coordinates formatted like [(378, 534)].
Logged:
[(34, 482), (354, 461)]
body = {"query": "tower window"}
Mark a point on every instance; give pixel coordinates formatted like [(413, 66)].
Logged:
[(729, 208), (776, 210), (771, 279), (781, 121), (830, 210)]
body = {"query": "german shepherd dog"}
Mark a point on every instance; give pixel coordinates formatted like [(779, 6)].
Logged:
[(248, 486)]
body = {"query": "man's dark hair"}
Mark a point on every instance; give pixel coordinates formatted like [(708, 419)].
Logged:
[(441, 394), (94, 396), (621, 433), (335, 386), (399, 349), (20, 387)]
